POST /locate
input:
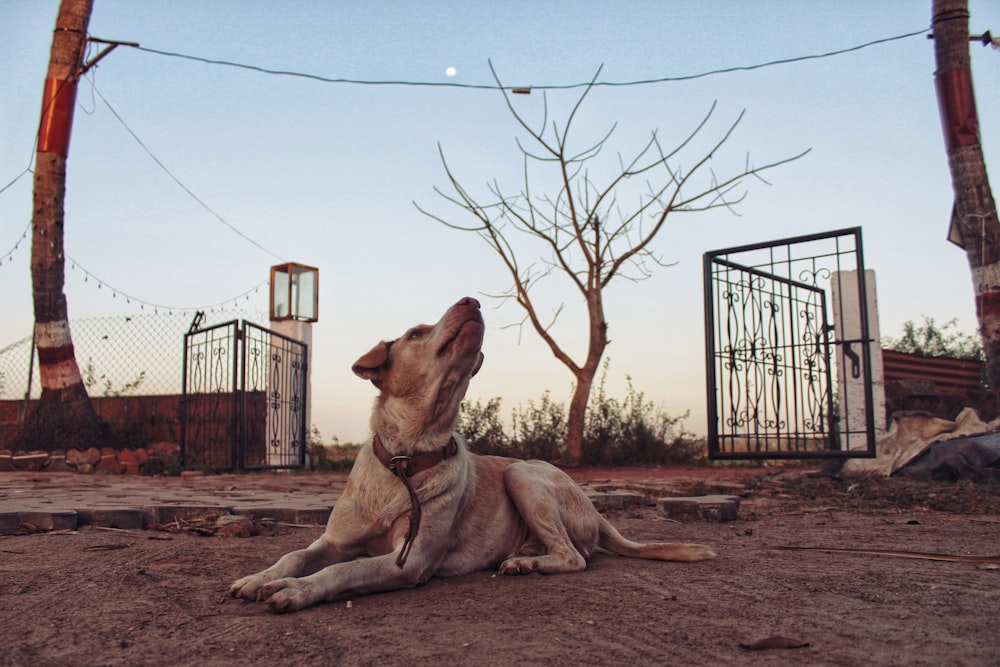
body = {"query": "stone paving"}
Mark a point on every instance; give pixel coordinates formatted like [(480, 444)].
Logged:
[(45, 501), (55, 501)]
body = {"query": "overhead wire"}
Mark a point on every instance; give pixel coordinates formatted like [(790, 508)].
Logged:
[(176, 180), (475, 86), (436, 84)]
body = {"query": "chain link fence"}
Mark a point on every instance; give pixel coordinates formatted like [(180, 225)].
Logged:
[(119, 355)]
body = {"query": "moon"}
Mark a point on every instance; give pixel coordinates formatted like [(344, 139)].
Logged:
[(450, 71)]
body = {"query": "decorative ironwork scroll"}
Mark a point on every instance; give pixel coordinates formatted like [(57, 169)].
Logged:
[(771, 353), (243, 402)]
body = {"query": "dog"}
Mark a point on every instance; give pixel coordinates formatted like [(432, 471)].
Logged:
[(418, 504)]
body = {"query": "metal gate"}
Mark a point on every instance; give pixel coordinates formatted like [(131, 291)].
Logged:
[(244, 397), (788, 354)]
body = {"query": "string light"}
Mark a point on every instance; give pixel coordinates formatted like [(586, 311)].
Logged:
[(10, 253), (157, 307)]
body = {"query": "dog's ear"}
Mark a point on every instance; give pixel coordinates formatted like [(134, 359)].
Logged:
[(479, 364), (372, 364)]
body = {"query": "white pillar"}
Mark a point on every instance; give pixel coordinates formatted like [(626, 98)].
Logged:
[(851, 378), (302, 332)]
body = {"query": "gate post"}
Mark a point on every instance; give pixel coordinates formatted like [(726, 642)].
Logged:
[(854, 367), (294, 306), (301, 332)]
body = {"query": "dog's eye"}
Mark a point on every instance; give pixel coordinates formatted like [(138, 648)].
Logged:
[(415, 334)]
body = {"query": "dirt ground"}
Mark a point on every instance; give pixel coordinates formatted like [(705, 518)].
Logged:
[(101, 597)]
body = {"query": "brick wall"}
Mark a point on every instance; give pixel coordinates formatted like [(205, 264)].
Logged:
[(136, 420)]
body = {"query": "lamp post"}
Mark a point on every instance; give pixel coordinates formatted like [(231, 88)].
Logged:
[(294, 306)]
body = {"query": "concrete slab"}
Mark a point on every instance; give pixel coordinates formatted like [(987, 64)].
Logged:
[(66, 500), (703, 508)]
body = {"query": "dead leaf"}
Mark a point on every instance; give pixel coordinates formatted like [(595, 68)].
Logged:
[(107, 547), (776, 641)]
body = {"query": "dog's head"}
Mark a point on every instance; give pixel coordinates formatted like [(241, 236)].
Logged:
[(423, 375)]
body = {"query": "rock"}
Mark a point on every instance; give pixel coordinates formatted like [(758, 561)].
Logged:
[(29, 460), (57, 463), (615, 499), (121, 518), (75, 457), (109, 462), (168, 453), (9, 522), (34, 522), (705, 508), (129, 461)]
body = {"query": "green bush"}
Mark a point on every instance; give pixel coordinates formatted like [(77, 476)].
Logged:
[(482, 428), (931, 340), (632, 431), (540, 429), (333, 457)]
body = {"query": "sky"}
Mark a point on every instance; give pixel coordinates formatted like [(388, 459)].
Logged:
[(327, 174)]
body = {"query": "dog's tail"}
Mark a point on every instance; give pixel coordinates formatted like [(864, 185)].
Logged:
[(613, 541)]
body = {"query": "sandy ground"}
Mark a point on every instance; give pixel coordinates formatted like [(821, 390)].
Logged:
[(105, 597)]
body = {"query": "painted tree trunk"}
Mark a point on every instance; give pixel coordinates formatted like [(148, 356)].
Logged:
[(64, 417), (975, 213)]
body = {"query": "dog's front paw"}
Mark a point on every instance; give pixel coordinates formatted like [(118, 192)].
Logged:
[(248, 587), (517, 565), (285, 595)]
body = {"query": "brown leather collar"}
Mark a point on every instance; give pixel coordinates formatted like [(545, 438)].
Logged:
[(405, 467), (411, 465)]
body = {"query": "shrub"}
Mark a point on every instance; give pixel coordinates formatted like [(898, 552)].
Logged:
[(540, 429), (931, 340), (482, 428), (333, 457), (632, 431)]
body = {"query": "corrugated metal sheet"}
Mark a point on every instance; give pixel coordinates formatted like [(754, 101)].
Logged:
[(950, 376)]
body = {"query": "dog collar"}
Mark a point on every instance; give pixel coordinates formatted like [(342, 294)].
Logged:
[(405, 467), (408, 466)]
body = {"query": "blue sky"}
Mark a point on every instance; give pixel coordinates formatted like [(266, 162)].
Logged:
[(326, 174)]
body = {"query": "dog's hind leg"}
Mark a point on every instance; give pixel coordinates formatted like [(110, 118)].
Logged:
[(558, 515)]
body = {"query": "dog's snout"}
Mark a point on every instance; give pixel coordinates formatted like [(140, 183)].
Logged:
[(468, 301)]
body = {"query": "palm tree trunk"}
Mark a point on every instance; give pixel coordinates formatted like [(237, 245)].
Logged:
[(64, 417), (975, 213)]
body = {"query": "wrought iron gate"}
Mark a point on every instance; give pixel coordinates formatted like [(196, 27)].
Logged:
[(788, 354), (244, 397)]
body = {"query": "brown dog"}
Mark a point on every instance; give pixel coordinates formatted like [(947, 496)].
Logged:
[(418, 504)]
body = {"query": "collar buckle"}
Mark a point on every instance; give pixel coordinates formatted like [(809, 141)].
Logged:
[(399, 466)]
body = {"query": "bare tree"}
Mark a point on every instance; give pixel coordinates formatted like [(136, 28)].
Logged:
[(64, 416), (583, 233), (975, 211)]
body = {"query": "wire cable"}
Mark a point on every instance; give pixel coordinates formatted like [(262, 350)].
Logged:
[(27, 170), (176, 180), (454, 84)]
